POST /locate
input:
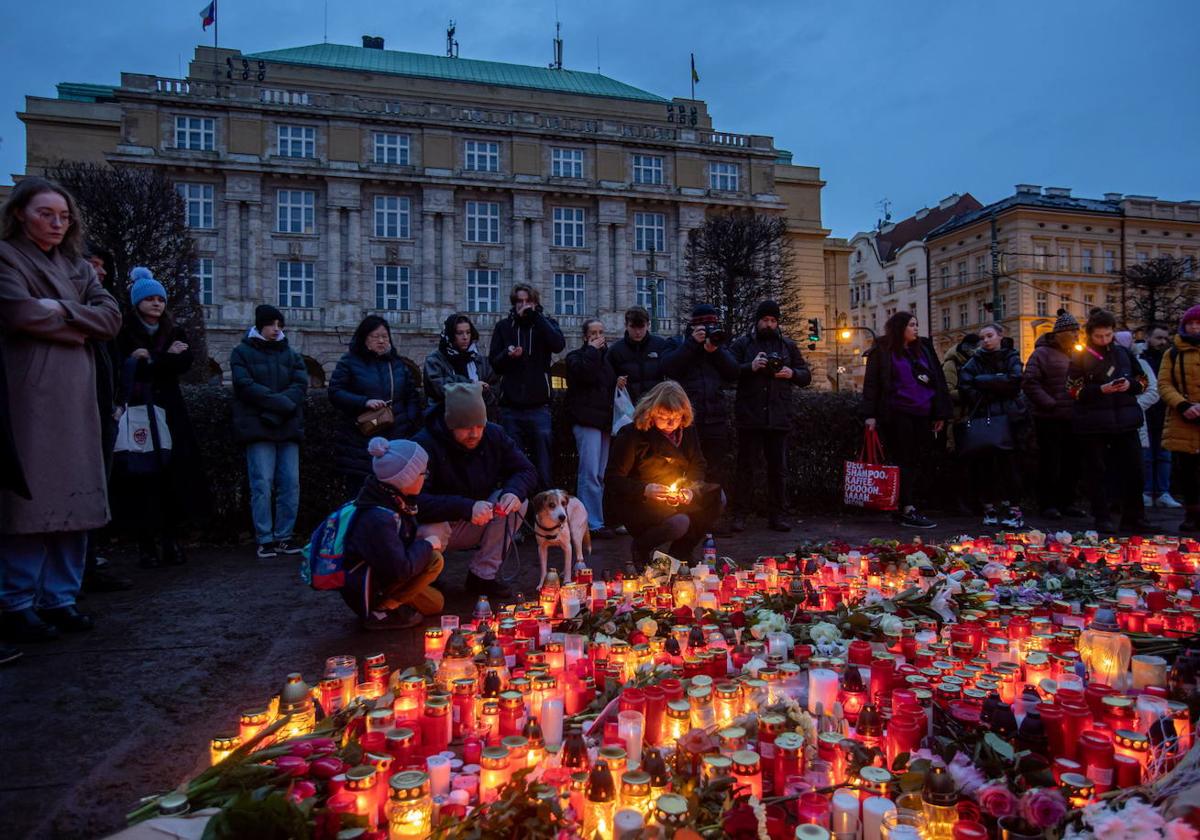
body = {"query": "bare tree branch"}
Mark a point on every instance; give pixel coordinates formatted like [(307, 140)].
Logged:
[(1159, 290)]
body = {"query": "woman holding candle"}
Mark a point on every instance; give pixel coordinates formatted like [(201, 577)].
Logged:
[(1179, 387), (655, 479)]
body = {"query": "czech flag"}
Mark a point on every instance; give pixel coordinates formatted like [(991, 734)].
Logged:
[(208, 15)]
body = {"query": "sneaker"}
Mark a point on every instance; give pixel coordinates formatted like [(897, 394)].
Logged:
[(401, 618), (912, 519), (1014, 519), (266, 551), (1148, 500), (1167, 501), (68, 619), (622, 531), (285, 547), (990, 517)]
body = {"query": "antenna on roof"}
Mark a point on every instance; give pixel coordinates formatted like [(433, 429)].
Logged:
[(451, 44), (885, 205), (557, 64)]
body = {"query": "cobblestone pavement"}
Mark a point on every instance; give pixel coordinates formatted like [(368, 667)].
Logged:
[(95, 721)]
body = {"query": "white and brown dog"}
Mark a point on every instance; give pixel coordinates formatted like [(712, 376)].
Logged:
[(560, 519)]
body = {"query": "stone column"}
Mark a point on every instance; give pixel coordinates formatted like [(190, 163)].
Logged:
[(448, 293), (233, 270), (258, 278), (518, 249), (606, 290), (428, 296), (537, 258), (354, 263), (625, 283), (333, 256)]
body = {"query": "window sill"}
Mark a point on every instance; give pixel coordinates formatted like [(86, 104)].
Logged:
[(290, 235), (395, 240), (482, 244)]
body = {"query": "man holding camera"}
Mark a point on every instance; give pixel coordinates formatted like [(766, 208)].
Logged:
[(700, 362), (523, 346), (769, 367)]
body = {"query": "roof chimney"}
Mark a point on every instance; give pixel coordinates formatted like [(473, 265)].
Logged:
[(1029, 189), (949, 201), (922, 213), (1058, 192), (372, 42), (1113, 196)]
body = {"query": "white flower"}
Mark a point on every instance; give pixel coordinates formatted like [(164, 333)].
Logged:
[(648, 626), (1052, 584), (941, 604), (1064, 537), (873, 597), (919, 559), (890, 625), (1091, 536), (1035, 537), (824, 632)]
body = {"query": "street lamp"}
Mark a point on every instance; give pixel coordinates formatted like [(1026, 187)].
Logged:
[(843, 334)]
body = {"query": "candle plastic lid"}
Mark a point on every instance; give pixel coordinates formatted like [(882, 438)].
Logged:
[(173, 804), (808, 831)]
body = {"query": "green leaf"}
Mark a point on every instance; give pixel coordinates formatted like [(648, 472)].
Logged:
[(999, 746), (911, 781), (900, 763)]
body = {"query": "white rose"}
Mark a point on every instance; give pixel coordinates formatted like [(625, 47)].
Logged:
[(823, 632), (759, 631), (890, 625), (1064, 537)]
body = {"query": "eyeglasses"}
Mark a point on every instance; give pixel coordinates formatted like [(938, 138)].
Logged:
[(50, 216)]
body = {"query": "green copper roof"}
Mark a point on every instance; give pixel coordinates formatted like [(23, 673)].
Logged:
[(360, 59), (82, 92)]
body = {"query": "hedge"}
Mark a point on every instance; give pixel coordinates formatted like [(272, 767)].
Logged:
[(827, 431)]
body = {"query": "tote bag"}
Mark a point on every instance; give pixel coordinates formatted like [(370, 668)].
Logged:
[(869, 483), (143, 444)]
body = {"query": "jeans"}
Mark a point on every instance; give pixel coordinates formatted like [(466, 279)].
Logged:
[(273, 467), (907, 442), (1058, 463), (1116, 452), (1156, 470), (41, 570), (749, 442), (593, 458), (493, 538), (530, 428)]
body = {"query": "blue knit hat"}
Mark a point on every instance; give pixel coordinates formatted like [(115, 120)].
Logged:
[(397, 462), (144, 285)]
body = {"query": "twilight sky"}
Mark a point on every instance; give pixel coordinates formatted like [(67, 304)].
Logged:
[(908, 101)]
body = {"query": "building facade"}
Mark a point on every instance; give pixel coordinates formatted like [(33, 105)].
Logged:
[(1048, 250), (336, 181)]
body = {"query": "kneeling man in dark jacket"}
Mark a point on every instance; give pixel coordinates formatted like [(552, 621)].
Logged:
[(478, 485), (389, 568)]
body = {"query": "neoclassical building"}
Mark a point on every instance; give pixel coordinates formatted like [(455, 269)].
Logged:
[(333, 181)]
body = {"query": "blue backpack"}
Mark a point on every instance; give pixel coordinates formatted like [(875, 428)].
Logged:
[(322, 566)]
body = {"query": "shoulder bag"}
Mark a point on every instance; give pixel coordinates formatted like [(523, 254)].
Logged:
[(374, 419)]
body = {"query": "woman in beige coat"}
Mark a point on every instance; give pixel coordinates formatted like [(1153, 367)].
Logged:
[(50, 305)]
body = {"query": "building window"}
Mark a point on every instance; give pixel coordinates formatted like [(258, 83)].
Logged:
[(647, 169), (1042, 304), (297, 141), (482, 156), (566, 163), (204, 279), (296, 211), (197, 204), (981, 312), (962, 272), (912, 278), (1110, 300), (568, 294), (723, 176), (1039, 257), (1001, 313), (483, 224), (981, 268), (391, 148), (1143, 256), (483, 290), (964, 316), (1110, 262), (196, 133), (1064, 258), (642, 287), (891, 283), (649, 231), (391, 216), (391, 287), (568, 227), (1189, 266), (1086, 261), (296, 283), (945, 318), (945, 276)]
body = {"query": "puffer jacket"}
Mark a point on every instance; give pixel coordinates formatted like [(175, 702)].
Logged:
[(361, 376), (702, 375), (1045, 380), (952, 363), (269, 383), (878, 386), (1095, 412), (990, 384), (1179, 388), (639, 361), (591, 383), (764, 402), (525, 379)]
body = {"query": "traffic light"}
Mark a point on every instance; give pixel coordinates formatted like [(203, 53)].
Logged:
[(814, 330)]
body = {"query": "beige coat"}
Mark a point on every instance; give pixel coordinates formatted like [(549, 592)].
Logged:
[(1179, 387), (52, 388)]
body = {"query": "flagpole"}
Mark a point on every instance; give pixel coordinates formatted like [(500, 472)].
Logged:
[(692, 77), (216, 27)]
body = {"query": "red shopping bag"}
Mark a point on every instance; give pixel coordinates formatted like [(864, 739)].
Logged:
[(869, 482)]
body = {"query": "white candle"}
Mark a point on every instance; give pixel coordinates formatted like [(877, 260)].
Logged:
[(631, 725), (439, 775), (552, 721), (777, 644), (874, 809), (845, 815), (627, 825), (822, 690)]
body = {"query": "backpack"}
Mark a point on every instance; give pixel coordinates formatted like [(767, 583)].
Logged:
[(322, 565)]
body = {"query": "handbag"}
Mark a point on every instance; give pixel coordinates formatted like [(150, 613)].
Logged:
[(869, 483), (143, 445), (981, 434), (374, 419)]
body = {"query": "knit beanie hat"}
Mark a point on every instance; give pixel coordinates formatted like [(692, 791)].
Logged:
[(1065, 322), (704, 310), (265, 314), (464, 405), (398, 462), (768, 308), (1192, 314), (144, 285)]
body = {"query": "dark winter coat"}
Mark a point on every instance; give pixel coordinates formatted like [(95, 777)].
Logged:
[(382, 548), (640, 362), (441, 369), (990, 385), (702, 375), (879, 387), (525, 379), (591, 383), (952, 363), (1097, 413), (460, 477), (12, 477), (360, 376), (1156, 414), (638, 458), (764, 402), (269, 382), (1045, 381)]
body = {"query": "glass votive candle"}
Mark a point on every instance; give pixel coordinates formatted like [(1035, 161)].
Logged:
[(903, 825), (813, 808)]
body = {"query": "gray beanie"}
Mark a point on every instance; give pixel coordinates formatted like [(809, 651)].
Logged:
[(398, 462), (1065, 322)]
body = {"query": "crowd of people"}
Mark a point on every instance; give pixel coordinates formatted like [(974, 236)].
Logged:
[(1114, 423)]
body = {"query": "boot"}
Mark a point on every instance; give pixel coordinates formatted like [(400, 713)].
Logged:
[(1191, 520)]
